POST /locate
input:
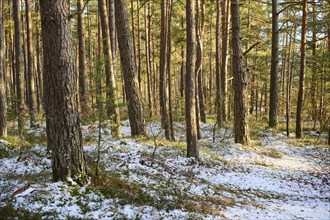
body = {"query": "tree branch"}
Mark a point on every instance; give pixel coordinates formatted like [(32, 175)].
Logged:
[(253, 45), (78, 12)]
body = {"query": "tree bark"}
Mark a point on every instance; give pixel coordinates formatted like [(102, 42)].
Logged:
[(273, 96), (30, 67), (3, 98), (135, 111), (61, 101), (218, 66), (162, 68), (83, 87), (147, 51), (169, 74), (19, 80), (239, 81), (302, 72), (224, 57), (111, 90), (200, 21), (191, 129)]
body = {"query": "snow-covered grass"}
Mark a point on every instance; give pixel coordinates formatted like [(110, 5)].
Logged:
[(150, 178)]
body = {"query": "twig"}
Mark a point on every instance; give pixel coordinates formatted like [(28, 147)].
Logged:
[(78, 12), (253, 45)]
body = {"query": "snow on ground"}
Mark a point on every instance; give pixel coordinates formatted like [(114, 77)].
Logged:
[(271, 179)]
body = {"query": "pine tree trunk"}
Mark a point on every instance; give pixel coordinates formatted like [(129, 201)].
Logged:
[(240, 83), (218, 66), (273, 96), (83, 87), (19, 72), (314, 69), (169, 74), (302, 72), (191, 129), (200, 18), (3, 99), (61, 101), (111, 91), (147, 51), (162, 64), (135, 111), (30, 67), (225, 25)]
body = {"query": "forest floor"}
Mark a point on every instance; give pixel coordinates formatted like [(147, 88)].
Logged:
[(150, 178)]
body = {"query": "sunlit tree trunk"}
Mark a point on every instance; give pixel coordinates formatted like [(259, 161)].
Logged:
[(111, 90), (191, 129), (302, 72), (135, 111), (224, 57), (61, 101), (3, 99), (240, 83), (83, 87), (273, 95), (19, 73)]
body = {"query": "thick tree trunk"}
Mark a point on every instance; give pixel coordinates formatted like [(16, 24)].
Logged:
[(19, 74), (83, 87), (191, 129), (61, 101), (240, 83), (273, 96), (135, 111), (302, 72), (3, 99)]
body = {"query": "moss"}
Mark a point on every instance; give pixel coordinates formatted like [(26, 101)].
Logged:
[(32, 139), (9, 212), (272, 153), (112, 186)]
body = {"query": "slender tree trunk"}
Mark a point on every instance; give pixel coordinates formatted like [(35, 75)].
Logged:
[(314, 75), (169, 77), (63, 124), (302, 72), (224, 57), (218, 66), (111, 91), (211, 66), (135, 111), (163, 64), (191, 129), (200, 20), (40, 100), (18, 66), (139, 45), (147, 51), (3, 99), (83, 87), (133, 32), (240, 83), (182, 70), (30, 67), (288, 86), (273, 96)]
